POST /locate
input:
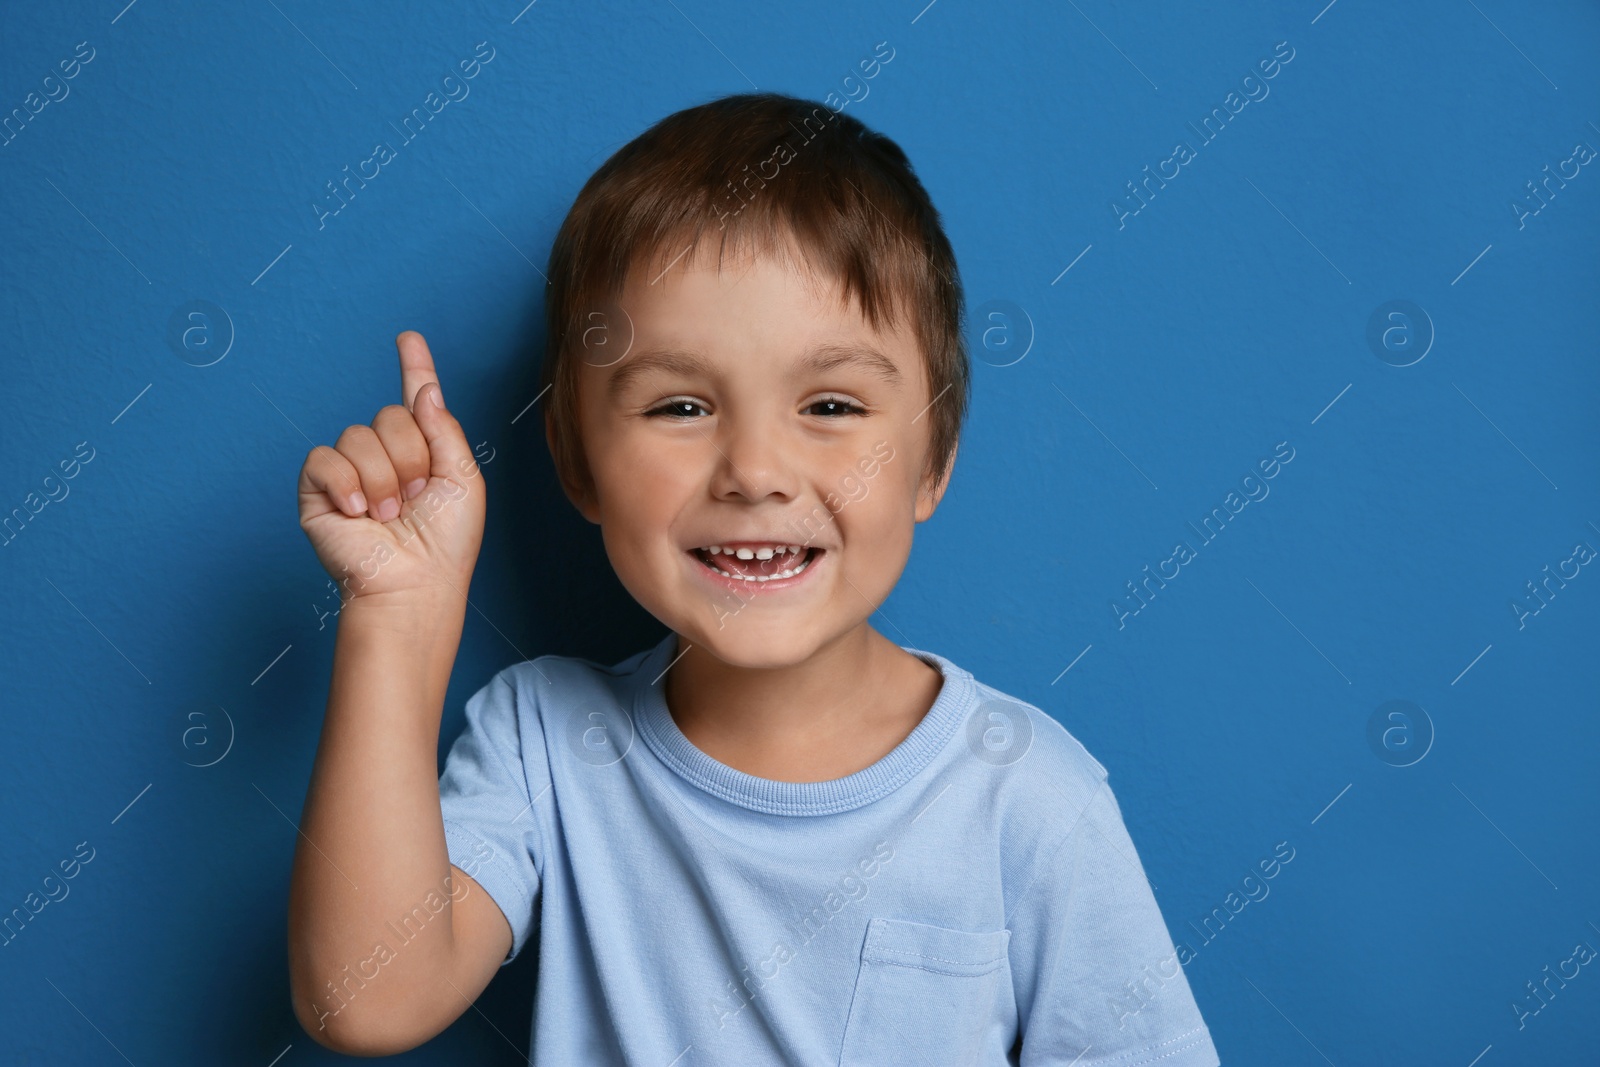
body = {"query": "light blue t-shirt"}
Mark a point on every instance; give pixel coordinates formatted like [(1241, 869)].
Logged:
[(971, 898)]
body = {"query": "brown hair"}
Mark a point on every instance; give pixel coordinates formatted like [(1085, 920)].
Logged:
[(762, 167)]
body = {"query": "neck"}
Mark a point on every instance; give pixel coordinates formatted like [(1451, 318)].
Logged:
[(840, 710)]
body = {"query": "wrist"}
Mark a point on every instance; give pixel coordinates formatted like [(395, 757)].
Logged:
[(427, 616), (409, 642)]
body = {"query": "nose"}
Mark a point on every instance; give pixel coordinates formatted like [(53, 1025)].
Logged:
[(754, 461)]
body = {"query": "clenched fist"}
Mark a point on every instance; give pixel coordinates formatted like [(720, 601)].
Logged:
[(395, 510)]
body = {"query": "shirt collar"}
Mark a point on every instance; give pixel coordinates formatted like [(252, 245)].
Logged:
[(916, 751)]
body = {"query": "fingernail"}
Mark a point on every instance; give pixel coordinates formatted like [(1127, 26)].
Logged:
[(438, 396), (388, 509), (358, 503), (415, 486)]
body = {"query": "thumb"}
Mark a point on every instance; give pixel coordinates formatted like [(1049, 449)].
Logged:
[(449, 454)]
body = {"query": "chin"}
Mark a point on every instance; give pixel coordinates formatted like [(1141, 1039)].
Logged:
[(743, 643)]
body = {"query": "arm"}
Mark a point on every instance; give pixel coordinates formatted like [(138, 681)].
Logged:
[(372, 814), (1099, 968), (395, 514)]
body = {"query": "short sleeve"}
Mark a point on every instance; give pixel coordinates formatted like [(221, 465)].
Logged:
[(1100, 984), (491, 827)]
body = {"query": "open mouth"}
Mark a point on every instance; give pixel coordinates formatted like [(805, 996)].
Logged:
[(757, 563)]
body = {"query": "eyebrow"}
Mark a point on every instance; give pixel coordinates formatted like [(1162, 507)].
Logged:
[(821, 358)]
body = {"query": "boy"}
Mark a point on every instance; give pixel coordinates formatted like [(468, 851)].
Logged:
[(778, 836)]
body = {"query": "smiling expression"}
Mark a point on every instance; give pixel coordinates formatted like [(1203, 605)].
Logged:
[(757, 457)]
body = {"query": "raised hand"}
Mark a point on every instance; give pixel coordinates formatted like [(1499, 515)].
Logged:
[(395, 510)]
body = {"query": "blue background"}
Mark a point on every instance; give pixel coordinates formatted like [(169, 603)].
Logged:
[(170, 602)]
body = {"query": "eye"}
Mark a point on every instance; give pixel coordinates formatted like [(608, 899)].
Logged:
[(835, 406), (674, 408)]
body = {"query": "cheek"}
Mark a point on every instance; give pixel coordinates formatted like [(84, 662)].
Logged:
[(644, 488), (635, 471), (878, 520), (639, 560), (639, 497)]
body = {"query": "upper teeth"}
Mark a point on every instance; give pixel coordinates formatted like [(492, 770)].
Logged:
[(764, 552)]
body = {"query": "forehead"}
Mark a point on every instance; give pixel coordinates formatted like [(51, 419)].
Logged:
[(722, 289), (721, 306)]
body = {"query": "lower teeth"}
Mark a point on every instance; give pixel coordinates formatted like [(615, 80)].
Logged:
[(790, 573)]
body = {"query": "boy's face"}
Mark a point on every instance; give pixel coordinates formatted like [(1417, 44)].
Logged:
[(785, 434)]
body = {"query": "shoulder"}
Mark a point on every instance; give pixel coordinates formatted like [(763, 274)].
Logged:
[(1052, 750), (549, 691), (567, 672), (538, 712), (1053, 741), (520, 726), (1050, 802), (1005, 730), (1039, 771)]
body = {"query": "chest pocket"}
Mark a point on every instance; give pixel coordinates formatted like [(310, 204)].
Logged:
[(924, 994)]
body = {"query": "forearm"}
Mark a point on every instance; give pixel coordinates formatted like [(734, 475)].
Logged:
[(371, 846)]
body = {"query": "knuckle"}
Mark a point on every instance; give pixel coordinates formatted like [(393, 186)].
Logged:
[(371, 470), (322, 459), (379, 475), (356, 435), (391, 414), (405, 445)]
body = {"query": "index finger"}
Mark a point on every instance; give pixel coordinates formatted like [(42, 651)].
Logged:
[(416, 366)]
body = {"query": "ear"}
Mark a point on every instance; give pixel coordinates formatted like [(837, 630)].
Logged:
[(582, 497), (931, 493)]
